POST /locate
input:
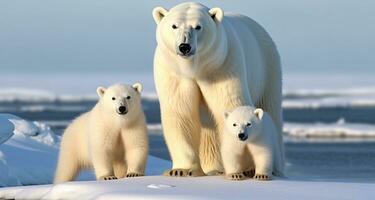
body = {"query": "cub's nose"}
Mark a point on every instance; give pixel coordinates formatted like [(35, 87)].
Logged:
[(184, 48), (242, 136), (122, 110)]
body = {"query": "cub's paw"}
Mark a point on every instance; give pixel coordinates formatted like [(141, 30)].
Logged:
[(196, 172), (106, 178), (183, 172), (176, 172), (262, 177), (249, 173), (134, 175), (236, 176)]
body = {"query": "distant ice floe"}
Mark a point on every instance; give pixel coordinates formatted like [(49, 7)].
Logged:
[(339, 130), (37, 95), (355, 97), (299, 98)]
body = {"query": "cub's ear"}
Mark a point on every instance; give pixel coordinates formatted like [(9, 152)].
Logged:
[(100, 91), (158, 13), (138, 87), (259, 113), (217, 14), (226, 114)]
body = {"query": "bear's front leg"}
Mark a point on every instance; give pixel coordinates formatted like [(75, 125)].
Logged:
[(136, 149), (101, 152), (232, 153), (262, 155), (182, 137), (179, 103), (102, 164)]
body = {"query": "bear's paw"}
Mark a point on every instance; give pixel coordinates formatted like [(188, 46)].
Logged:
[(183, 172), (262, 177), (134, 175), (176, 172), (236, 176), (106, 178), (249, 173)]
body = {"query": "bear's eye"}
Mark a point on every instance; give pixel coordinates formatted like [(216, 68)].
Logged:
[(234, 124), (174, 26), (198, 28), (113, 98), (248, 124), (128, 97)]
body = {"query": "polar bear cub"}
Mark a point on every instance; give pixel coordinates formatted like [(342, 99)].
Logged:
[(111, 138), (249, 129)]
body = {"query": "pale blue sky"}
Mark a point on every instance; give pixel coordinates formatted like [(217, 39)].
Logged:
[(73, 36)]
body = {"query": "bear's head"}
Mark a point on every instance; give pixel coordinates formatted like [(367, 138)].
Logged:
[(189, 31), (243, 122), (121, 99)]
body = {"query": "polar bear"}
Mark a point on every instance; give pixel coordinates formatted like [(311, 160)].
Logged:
[(252, 130), (207, 63), (111, 138)]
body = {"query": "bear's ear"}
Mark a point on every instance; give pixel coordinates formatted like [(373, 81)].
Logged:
[(217, 14), (158, 13), (100, 91), (226, 114), (138, 87), (259, 113)]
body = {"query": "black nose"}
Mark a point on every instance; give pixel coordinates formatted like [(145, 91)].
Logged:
[(122, 109), (184, 48), (242, 136)]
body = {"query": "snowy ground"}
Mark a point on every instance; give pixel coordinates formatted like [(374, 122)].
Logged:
[(157, 187)]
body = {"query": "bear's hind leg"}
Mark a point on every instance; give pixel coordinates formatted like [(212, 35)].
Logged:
[(67, 169)]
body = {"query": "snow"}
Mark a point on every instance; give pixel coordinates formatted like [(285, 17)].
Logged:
[(159, 187), (6, 129), (29, 152)]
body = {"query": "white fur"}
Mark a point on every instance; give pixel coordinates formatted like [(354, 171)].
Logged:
[(111, 143), (235, 63), (261, 142)]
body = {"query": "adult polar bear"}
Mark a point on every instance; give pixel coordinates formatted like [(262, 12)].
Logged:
[(207, 63)]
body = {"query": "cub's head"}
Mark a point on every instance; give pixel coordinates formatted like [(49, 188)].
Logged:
[(243, 122), (187, 29), (121, 99)]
